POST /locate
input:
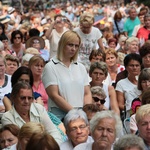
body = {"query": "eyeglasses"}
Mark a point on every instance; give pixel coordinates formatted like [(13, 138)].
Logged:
[(96, 99), (72, 45), (81, 127), (23, 98), (36, 41), (17, 37)]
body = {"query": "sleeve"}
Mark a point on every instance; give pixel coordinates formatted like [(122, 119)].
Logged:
[(119, 87), (49, 76), (50, 127), (6, 119), (36, 95)]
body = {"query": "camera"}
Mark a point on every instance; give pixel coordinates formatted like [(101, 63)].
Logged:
[(64, 19)]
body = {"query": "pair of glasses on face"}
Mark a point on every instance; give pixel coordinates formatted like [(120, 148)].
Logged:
[(96, 99)]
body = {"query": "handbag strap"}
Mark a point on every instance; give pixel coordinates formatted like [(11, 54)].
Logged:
[(117, 26)]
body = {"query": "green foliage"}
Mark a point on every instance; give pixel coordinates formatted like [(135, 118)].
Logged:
[(145, 2)]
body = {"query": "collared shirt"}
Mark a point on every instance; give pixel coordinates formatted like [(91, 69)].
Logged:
[(70, 81), (37, 114), (68, 144)]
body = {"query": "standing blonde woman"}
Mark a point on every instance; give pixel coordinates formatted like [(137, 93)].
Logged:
[(65, 79)]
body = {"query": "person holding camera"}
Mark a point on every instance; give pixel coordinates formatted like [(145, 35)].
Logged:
[(55, 32)]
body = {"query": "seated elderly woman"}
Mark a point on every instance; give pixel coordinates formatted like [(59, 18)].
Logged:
[(105, 127), (129, 141), (98, 96), (77, 129), (24, 110), (132, 45), (8, 135)]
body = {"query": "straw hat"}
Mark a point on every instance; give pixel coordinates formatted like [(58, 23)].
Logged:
[(11, 10), (29, 41), (4, 19), (32, 51)]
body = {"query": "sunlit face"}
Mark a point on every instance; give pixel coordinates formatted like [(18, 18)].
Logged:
[(77, 131), (97, 77), (133, 68), (7, 139), (112, 45), (144, 128), (71, 49), (37, 68), (11, 67), (133, 47), (23, 101), (111, 60), (104, 134), (146, 61)]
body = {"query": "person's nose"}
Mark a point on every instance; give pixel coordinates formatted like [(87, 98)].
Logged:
[(79, 130), (104, 132), (6, 144)]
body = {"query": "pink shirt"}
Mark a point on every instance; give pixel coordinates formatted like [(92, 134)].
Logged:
[(41, 90)]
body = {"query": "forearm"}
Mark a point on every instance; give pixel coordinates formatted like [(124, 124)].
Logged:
[(100, 43), (87, 96), (49, 31)]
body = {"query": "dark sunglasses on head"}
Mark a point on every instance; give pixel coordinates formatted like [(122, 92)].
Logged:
[(96, 99)]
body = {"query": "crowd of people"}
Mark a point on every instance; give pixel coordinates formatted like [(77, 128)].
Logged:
[(72, 74)]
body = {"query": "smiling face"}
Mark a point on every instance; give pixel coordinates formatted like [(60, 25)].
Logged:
[(77, 131), (104, 134), (7, 139)]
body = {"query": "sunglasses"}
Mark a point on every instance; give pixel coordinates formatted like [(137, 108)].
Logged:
[(96, 99)]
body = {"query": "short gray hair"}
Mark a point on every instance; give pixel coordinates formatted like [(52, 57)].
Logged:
[(107, 114), (129, 141), (73, 115), (98, 91)]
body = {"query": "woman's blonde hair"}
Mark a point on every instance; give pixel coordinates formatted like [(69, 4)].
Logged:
[(66, 38), (30, 128)]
